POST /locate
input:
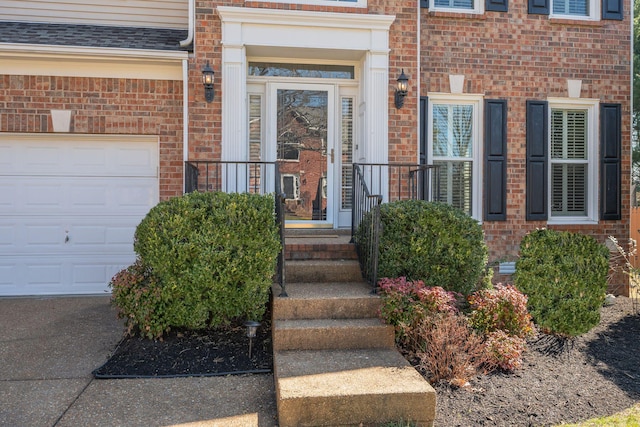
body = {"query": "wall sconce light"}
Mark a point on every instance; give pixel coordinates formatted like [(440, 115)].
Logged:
[(207, 81), (401, 89)]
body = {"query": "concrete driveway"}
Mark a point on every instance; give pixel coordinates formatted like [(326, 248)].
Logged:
[(50, 345)]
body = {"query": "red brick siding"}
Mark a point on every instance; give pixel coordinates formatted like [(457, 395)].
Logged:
[(101, 106), (516, 56)]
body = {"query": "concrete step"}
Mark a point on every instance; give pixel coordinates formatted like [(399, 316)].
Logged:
[(303, 251), (319, 245), (350, 388), (326, 334), (323, 271), (345, 300)]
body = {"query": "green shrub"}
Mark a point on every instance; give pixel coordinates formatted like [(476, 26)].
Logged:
[(503, 308), (429, 241), (212, 256), (564, 276)]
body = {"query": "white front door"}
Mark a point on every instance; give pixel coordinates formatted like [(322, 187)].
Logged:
[(301, 138)]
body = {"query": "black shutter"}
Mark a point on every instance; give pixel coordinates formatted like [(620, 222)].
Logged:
[(424, 3), (423, 185), (610, 161), (537, 142), (612, 9), (497, 5), (539, 7), (495, 163)]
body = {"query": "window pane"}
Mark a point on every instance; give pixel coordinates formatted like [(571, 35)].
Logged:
[(453, 131), (440, 130), (569, 134), (269, 69), (255, 127), (455, 180), (569, 162), (571, 7), (347, 152), (462, 130), (568, 189), (457, 4)]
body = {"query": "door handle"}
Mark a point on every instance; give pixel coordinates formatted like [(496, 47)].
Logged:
[(332, 155)]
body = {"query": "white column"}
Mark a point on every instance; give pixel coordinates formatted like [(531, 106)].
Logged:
[(376, 91), (234, 109)]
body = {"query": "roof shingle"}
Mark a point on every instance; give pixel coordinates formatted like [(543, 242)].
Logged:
[(92, 36)]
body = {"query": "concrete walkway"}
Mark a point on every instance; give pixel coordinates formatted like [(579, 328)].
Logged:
[(49, 347)]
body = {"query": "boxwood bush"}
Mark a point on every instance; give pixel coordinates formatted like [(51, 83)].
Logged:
[(564, 275), (429, 241), (212, 256)]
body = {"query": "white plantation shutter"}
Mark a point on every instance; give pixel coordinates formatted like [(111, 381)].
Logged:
[(571, 7), (347, 152), (454, 4), (456, 182), (255, 127), (453, 152), (569, 162)]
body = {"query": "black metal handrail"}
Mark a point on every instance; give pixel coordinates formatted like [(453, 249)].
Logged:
[(241, 177), (400, 182), (363, 203)]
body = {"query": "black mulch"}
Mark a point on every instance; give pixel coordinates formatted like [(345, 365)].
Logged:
[(221, 351)]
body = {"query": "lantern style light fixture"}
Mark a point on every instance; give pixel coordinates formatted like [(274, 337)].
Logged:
[(252, 328), (207, 81), (401, 89)]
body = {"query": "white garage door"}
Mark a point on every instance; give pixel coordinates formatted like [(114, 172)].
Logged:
[(69, 206)]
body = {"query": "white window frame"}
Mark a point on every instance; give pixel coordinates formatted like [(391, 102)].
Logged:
[(476, 101), (343, 3), (478, 8), (592, 108), (592, 5), (296, 184)]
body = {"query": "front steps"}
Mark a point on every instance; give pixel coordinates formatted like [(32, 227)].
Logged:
[(335, 363)]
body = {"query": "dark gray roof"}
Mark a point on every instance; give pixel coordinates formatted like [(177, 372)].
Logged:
[(92, 36)]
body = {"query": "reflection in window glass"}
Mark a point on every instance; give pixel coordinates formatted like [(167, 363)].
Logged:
[(275, 69), (453, 152)]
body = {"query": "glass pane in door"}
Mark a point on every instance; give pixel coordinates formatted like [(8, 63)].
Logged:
[(302, 119)]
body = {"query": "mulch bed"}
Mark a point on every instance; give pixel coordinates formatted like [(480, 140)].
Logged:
[(595, 375), (221, 351)]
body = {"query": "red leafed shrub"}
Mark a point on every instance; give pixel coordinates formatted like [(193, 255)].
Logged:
[(446, 348), (501, 309), (137, 294), (406, 303), (503, 351)]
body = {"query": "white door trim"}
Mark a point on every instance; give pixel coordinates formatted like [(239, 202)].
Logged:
[(323, 35)]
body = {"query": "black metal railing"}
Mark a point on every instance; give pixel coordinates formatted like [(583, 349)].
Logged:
[(241, 177), (367, 242), (399, 182)]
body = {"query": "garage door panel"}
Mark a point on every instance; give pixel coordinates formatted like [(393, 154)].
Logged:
[(92, 195), (89, 274), (83, 155), (67, 235)]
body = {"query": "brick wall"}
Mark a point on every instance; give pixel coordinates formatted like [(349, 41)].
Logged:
[(513, 56), (205, 120), (518, 57), (101, 106)]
